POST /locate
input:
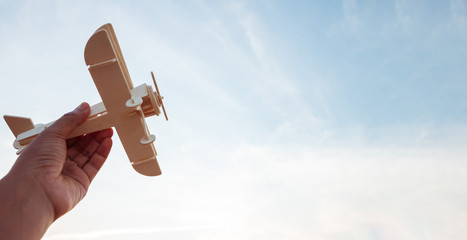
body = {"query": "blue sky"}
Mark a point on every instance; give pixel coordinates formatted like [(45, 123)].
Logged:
[(288, 120)]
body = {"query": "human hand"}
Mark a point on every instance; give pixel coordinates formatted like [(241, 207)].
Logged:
[(53, 174)]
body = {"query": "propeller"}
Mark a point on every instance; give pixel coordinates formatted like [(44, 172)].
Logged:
[(159, 96)]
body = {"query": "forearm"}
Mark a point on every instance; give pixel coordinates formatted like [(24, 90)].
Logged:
[(25, 212)]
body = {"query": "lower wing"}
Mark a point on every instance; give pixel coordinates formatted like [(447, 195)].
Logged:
[(137, 141)]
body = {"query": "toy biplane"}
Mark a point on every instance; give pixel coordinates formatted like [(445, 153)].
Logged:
[(124, 107)]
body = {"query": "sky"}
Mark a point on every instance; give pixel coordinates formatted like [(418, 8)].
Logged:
[(287, 119)]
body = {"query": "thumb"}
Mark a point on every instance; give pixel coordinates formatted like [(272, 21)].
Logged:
[(68, 122)]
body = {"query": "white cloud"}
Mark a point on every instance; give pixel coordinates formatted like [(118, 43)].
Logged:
[(273, 83), (459, 14), (403, 15), (334, 193), (352, 20), (277, 191)]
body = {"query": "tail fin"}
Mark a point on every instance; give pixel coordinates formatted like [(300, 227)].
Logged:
[(18, 124)]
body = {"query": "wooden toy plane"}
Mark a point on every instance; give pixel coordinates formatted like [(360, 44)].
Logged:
[(124, 106)]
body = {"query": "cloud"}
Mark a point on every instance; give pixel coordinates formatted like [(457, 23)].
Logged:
[(286, 191), (459, 14), (352, 21), (340, 192), (403, 15)]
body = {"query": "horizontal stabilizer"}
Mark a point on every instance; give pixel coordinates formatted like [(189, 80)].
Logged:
[(18, 125)]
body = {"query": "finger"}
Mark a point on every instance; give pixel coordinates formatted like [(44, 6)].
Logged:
[(68, 122), (82, 144), (71, 169), (70, 142), (79, 146), (92, 167), (84, 156), (91, 146)]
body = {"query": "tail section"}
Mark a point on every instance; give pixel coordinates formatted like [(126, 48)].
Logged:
[(18, 124)]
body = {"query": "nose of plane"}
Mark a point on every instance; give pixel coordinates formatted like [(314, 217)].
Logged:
[(152, 102)]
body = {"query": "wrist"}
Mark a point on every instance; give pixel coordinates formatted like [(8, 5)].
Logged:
[(26, 213)]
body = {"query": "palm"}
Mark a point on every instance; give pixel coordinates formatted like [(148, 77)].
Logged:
[(68, 172)]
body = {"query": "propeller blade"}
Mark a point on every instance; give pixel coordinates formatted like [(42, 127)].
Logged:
[(155, 84), (163, 109), (160, 96)]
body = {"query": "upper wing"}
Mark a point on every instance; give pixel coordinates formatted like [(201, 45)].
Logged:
[(108, 70)]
